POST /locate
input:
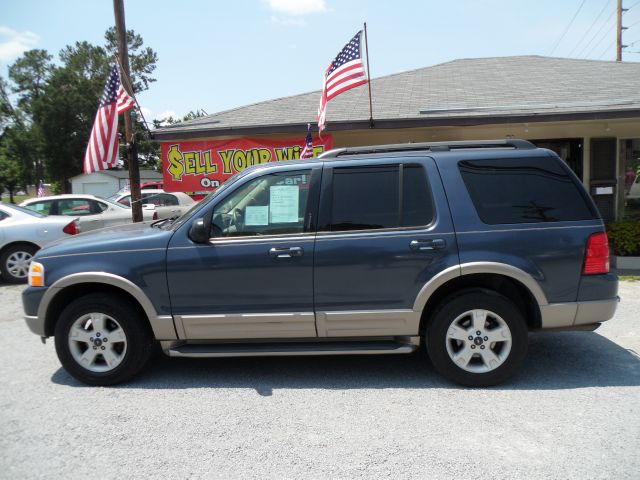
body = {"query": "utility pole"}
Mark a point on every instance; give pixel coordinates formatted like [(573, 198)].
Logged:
[(132, 149), (619, 45)]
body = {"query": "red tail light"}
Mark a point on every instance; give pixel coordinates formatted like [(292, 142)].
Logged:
[(71, 229), (155, 215), (596, 259)]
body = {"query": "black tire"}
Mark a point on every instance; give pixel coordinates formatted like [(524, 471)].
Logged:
[(501, 312), (20, 248), (139, 339)]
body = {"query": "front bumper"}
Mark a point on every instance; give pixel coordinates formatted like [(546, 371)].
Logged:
[(35, 325)]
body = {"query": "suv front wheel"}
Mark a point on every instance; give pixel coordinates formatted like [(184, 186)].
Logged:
[(102, 339), (477, 338)]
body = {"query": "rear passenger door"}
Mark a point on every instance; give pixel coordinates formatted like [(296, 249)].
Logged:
[(384, 231)]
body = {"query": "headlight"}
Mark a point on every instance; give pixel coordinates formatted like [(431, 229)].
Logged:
[(36, 274)]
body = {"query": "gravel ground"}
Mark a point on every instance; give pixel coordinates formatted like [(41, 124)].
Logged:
[(572, 412)]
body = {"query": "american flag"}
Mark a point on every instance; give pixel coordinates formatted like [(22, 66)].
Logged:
[(40, 189), (307, 150), (102, 150), (344, 73)]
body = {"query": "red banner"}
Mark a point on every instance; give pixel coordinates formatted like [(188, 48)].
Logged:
[(205, 165)]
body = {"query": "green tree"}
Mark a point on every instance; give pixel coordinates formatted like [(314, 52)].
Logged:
[(59, 102), (30, 74), (10, 172)]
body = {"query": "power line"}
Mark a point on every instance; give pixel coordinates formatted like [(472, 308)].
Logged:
[(604, 7), (632, 6), (604, 24), (607, 49), (567, 28)]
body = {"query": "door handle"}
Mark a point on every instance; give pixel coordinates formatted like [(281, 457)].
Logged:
[(287, 252), (424, 245)]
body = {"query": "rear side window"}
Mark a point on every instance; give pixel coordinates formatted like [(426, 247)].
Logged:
[(371, 198), (523, 190)]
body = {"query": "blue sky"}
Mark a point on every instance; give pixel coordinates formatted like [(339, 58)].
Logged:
[(216, 55)]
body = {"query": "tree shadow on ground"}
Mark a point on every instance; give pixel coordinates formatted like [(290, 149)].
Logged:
[(555, 361)]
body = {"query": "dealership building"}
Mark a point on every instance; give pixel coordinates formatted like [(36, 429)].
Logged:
[(587, 111)]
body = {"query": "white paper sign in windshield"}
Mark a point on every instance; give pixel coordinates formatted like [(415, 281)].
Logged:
[(283, 203), (256, 215)]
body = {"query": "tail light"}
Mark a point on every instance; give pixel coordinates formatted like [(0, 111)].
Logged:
[(71, 228), (155, 215), (596, 258)]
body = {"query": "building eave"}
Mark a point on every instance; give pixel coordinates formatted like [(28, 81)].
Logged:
[(201, 131)]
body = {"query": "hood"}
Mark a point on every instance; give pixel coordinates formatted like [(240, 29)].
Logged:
[(132, 236)]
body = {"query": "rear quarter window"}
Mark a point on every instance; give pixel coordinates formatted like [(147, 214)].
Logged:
[(524, 190)]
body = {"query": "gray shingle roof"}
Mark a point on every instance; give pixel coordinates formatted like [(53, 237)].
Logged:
[(477, 89)]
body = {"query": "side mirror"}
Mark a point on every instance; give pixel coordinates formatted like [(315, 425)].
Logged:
[(200, 230)]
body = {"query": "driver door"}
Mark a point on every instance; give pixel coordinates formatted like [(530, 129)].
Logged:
[(254, 277)]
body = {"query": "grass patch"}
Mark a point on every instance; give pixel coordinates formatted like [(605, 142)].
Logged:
[(629, 278), (16, 198)]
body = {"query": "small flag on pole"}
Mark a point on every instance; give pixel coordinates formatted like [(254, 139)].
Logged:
[(102, 150), (344, 73), (307, 150), (40, 189)]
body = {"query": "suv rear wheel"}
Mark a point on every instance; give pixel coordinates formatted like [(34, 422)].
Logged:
[(102, 339), (477, 338)]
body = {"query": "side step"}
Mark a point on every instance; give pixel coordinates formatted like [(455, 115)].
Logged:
[(289, 349)]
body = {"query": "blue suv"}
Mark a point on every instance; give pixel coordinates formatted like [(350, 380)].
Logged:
[(459, 247)]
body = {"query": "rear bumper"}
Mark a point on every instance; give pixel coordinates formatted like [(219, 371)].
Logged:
[(575, 314)]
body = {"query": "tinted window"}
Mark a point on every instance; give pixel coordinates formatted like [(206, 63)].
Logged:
[(365, 198), (74, 207), (523, 190), (368, 198), (160, 199), (273, 204), (417, 204)]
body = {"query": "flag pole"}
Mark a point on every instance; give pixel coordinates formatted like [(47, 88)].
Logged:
[(129, 87), (366, 44)]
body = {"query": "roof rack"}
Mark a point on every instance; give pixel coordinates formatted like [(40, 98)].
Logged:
[(433, 146)]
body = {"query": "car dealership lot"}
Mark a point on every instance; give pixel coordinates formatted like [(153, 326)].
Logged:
[(573, 411)]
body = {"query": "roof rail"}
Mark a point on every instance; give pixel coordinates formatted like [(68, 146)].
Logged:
[(433, 146)]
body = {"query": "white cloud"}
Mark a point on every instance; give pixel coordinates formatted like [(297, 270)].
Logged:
[(13, 44), (297, 7)]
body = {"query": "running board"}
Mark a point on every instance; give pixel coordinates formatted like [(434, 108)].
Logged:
[(289, 349)]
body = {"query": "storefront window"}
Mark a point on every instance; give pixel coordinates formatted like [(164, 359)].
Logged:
[(630, 163)]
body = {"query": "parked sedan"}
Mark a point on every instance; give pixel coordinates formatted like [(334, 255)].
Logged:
[(168, 204), (93, 212), (22, 233)]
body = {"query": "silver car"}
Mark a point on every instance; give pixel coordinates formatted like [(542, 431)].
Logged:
[(22, 233), (92, 212)]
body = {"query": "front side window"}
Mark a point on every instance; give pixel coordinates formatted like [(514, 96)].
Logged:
[(274, 204), (523, 190), (75, 207), (372, 198)]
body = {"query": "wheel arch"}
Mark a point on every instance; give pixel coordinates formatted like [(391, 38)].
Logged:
[(506, 280), (74, 286), (18, 242)]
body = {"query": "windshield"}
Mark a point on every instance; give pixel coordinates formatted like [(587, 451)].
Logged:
[(111, 201), (180, 220)]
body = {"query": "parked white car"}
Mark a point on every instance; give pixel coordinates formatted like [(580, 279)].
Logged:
[(93, 212), (168, 204), (22, 233)]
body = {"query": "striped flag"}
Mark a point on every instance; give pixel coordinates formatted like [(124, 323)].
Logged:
[(344, 73), (40, 189), (102, 150), (307, 150)]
